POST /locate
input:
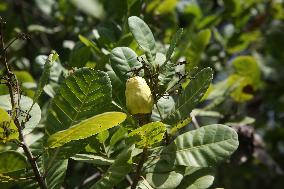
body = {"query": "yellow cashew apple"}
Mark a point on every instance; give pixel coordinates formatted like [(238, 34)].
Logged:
[(139, 99)]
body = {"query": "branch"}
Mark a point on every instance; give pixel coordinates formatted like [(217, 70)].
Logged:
[(139, 167), (14, 91)]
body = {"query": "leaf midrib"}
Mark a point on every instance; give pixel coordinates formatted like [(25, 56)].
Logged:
[(204, 145), (84, 101)]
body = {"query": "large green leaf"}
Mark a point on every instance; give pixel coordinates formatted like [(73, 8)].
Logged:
[(190, 97), (165, 180), (86, 128), (197, 178), (203, 147), (34, 116), (149, 134), (123, 61), (11, 161), (143, 35), (117, 171), (83, 94)]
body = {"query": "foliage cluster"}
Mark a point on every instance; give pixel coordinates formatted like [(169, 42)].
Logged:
[(63, 115)]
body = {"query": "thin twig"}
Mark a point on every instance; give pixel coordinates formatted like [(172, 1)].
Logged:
[(139, 167), (167, 137), (194, 121)]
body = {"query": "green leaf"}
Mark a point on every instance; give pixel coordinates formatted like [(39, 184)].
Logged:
[(238, 93), (247, 66), (197, 179), (117, 136), (56, 173), (167, 76), (166, 6), (79, 55), (203, 147), (11, 161), (190, 97), (118, 89), (173, 44), (180, 125), (8, 129), (96, 160), (45, 75), (247, 78), (86, 128), (90, 44), (199, 42), (117, 171), (82, 95), (165, 105), (143, 35), (165, 180), (103, 136), (123, 61), (149, 134)]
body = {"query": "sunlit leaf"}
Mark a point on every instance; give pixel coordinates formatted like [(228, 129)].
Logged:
[(8, 129), (82, 95), (86, 128), (102, 136), (149, 134)]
